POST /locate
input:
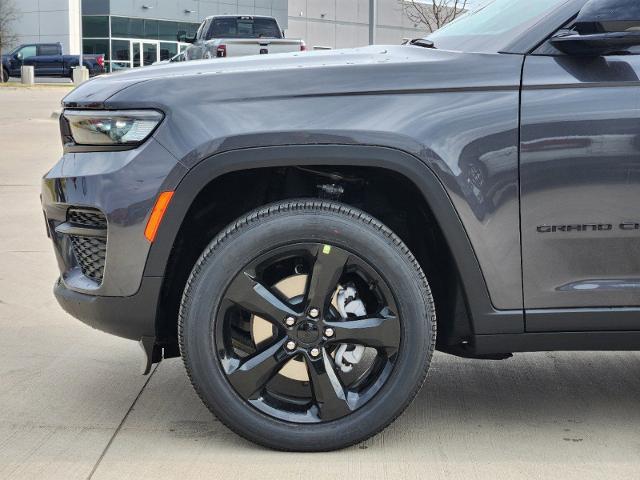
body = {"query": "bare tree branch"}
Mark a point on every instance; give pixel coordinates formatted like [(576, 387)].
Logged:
[(8, 15), (433, 14)]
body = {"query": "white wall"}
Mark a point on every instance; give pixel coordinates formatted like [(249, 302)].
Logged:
[(345, 23), (48, 21)]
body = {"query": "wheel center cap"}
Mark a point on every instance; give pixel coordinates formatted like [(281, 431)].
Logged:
[(308, 332)]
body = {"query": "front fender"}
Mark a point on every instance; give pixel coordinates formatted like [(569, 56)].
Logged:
[(485, 318)]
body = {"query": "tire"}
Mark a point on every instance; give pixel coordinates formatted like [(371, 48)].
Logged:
[(5, 76), (326, 242)]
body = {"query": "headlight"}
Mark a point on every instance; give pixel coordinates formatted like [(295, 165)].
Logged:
[(125, 127)]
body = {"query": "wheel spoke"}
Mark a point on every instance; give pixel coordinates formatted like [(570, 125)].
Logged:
[(327, 270), (258, 299), (379, 332), (253, 373), (329, 393)]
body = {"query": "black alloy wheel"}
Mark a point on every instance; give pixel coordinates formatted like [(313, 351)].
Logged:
[(307, 326), (308, 329)]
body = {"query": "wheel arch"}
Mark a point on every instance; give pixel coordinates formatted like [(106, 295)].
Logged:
[(483, 317)]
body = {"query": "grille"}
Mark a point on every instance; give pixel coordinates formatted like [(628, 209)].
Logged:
[(87, 218), (90, 253)]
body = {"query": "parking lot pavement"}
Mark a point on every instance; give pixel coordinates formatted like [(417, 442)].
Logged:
[(44, 80), (72, 404)]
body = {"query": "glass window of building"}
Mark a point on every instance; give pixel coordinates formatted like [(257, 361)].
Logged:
[(168, 50), (95, 26), (134, 42), (121, 55), (96, 46), (149, 53), (168, 30), (151, 29), (127, 27)]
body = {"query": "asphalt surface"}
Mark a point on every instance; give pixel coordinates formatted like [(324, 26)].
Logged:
[(73, 404)]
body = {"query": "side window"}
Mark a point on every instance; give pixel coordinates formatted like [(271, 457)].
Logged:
[(205, 29), (28, 51), (47, 50), (201, 30)]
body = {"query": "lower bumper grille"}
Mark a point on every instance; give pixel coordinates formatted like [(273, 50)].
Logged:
[(87, 231), (90, 253), (87, 218)]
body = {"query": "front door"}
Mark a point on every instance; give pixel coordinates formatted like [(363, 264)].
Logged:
[(18, 59), (580, 187)]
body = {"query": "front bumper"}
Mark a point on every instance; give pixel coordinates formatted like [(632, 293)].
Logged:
[(129, 317), (102, 266), (121, 188)]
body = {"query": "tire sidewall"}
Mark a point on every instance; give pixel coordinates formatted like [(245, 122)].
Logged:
[(226, 257)]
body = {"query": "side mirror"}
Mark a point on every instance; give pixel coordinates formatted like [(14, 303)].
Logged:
[(182, 37), (19, 56), (603, 27)]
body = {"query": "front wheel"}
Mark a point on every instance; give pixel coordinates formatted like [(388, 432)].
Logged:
[(5, 75), (307, 326)]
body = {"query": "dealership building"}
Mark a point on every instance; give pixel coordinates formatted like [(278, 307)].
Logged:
[(132, 33)]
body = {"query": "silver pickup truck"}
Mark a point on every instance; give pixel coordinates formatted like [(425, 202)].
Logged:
[(237, 36)]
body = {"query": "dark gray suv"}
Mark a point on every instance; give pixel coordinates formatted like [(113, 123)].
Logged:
[(292, 225)]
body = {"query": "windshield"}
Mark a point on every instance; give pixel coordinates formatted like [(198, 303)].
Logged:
[(244, 27), (492, 25)]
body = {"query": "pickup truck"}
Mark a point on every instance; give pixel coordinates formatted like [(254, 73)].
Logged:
[(238, 36), (48, 61), (292, 225)]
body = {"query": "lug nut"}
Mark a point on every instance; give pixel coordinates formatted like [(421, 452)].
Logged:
[(291, 345), (314, 352), (314, 312), (289, 321), (329, 332)]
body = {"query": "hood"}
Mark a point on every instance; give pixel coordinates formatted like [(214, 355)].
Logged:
[(299, 73), (96, 91)]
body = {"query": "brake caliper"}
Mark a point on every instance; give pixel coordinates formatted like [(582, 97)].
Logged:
[(348, 355)]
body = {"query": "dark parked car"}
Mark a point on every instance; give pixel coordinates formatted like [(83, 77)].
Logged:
[(48, 61), (295, 242)]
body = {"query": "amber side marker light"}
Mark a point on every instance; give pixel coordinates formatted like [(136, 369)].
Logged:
[(156, 215)]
